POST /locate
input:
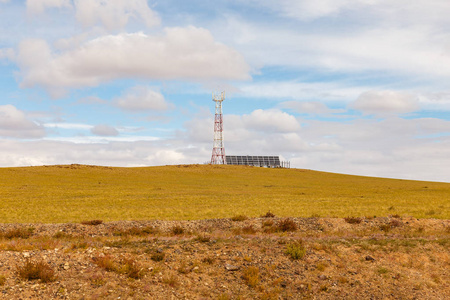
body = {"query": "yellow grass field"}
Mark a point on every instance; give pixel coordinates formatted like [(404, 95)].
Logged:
[(73, 193)]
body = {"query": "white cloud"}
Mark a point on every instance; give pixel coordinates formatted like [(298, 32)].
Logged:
[(166, 157), (70, 126), (324, 91), (7, 53), (14, 123), (4, 1), (306, 10), (142, 98), (114, 14), (385, 102), (369, 51), (182, 53), (39, 6), (104, 130), (271, 121), (310, 107)]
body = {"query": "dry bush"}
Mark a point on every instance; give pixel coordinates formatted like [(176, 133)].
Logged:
[(127, 266), (209, 260), (177, 230), (185, 268), (105, 262), (248, 229), (251, 276), (79, 245), (385, 227), (395, 223), (2, 280), (131, 268), (158, 256), (33, 270), (21, 232), (97, 279), (353, 220), (268, 215), (170, 279), (286, 225), (203, 239), (296, 250), (267, 223), (92, 222), (62, 235), (239, 218)]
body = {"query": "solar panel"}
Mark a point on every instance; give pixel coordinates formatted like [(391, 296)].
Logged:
[(257, 161)]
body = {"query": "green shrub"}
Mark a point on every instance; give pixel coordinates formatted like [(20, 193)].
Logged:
[(296, 250)]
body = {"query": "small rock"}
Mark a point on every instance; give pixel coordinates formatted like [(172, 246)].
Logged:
[(323, 277), (66, 266), (229, 267), (26, 254), (370, 258), (283, 284)]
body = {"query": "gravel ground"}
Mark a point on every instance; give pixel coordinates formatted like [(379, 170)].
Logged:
[(379, 258)]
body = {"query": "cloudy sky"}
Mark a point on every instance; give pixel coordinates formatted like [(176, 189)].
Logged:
[(349, 86)]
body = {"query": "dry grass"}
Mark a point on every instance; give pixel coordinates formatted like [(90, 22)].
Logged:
[(56, 194), (92, 222), (21, 232), (33, 270), (251, 276)]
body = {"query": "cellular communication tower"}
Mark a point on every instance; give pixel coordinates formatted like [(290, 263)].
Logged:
[(218, 153)]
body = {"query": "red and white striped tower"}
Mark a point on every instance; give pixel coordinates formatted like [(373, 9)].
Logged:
[(218, 153)]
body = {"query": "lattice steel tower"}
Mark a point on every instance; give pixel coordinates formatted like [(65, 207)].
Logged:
[(218, 153)]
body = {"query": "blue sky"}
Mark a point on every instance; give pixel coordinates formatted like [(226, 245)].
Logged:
[(348, 86)]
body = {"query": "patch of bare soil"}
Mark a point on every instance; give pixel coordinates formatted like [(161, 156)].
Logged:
[(258, 258)]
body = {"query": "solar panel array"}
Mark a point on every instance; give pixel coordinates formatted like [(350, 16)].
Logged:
[(257, 161)]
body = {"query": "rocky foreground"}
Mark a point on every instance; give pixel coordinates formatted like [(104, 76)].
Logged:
[(237, 258)]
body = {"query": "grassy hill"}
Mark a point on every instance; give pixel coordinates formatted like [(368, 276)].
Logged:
[(72, 193)]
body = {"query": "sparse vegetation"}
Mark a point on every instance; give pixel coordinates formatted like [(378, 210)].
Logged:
[(92, 222), (158, 256), (123, 265), (33, 270), (296, 250), (251, 276), (353, 220), (279, 258), (177, 230), (130, 193), (287, 225), (268, 215), (239, 218), (20, 233), (307, 262)]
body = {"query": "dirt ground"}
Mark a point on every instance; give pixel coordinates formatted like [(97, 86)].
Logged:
[(257, 258)]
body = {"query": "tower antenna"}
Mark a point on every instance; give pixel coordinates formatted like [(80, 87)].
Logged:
[(218, 153)]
